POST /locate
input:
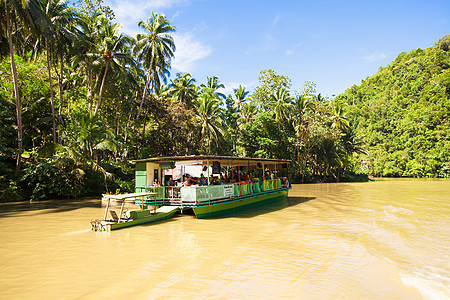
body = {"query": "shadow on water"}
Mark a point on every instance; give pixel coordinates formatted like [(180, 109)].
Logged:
[(266, 208), (57, 206), (47, 207)]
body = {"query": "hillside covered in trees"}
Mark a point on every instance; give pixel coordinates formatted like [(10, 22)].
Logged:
[(79, 99), (402, 114)]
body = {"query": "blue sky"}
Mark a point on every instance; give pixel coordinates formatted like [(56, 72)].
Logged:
[(335, 44)]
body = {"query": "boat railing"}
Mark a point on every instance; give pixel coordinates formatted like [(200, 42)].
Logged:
[(201, 194), (197, 195)]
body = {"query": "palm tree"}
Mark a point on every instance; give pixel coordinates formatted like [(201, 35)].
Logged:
[(320, 98), (280, 105), (84, 46), (87, 138), (241, 96), (214, 84), (207, 116), (352, 142), (248, 113), (301, 107), (59, 13), (110, 46), (331, 155), (32, 15), (338, 119), (154, 47), (183, 88)]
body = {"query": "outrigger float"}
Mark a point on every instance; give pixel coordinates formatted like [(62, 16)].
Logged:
[(209, 186)]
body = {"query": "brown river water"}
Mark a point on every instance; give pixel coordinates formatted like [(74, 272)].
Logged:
[(386, 239)]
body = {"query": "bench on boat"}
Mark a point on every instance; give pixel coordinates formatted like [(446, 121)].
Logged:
[(125, 198)]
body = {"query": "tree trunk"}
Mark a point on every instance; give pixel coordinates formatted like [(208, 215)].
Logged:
[(102, 87), (16, 93), (145, 88), (89, 95), (60, 87), (147, 82), (49, 68)]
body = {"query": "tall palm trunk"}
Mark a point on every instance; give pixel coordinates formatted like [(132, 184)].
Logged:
[(51, 90), (102, 87), (16, 93), (89, 95), (60, 86), (147, 82)]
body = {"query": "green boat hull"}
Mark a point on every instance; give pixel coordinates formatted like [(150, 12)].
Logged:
[(150, 219), (242, 203)]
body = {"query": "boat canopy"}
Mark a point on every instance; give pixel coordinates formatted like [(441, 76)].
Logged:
[(206, 159)]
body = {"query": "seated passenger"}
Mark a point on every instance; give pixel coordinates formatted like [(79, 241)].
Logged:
[(187, 181), (203, 180)]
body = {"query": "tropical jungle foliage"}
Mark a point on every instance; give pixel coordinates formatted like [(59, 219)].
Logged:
[(402, 114), (79, 99)]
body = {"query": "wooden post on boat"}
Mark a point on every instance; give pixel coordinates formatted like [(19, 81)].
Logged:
[(275, 177), (154, 208), (121, 210), (239, 178), (208, 185), (263, 174), (142, 202), (106, 210)]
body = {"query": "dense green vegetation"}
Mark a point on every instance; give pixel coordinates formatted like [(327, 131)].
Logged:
[(78, 100), (402, 114)]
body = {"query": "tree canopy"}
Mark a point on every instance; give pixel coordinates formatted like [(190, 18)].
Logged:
[(90, 99)]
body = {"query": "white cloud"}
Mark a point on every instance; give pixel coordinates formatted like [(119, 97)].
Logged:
[(289, 52), (374, 57), (276, 19), (188, 48), (188, 51), (129, 13)]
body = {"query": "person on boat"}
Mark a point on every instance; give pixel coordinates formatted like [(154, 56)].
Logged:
[(170, 182), (226, 180), (187, 181), (202, 180), (244, 177), (156, 182)]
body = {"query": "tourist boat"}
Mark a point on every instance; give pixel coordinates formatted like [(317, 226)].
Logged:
[(254, 181), (132, 217)]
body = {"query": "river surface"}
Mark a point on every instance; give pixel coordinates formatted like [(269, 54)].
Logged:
[(386, 239)]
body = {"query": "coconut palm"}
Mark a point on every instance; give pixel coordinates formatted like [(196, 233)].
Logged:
[(84, 46), (59, 14), (214, 84), (31, 14), (248, 113), (110, 47), (338, 119), (155, 47), (241, 96), (207, 116), (183, 88), (301, 106), (331, 156), (320, 98), (280, 105)]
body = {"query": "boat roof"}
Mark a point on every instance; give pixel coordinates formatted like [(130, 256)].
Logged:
[(225, 160)]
